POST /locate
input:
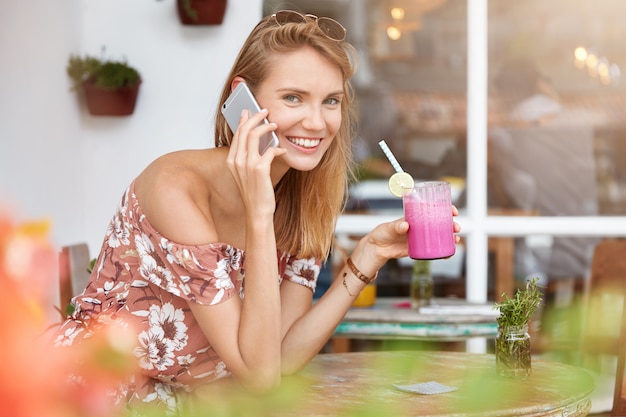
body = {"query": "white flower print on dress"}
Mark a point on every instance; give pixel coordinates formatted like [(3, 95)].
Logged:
[(164, 394), (91, 300), (221, 371), (222, 279), (172, 321), (118, 231), (218, 372), (68, 336), (152, 267), (304, 272), (166, 334), (235, 257), (110, 286), (184, 257), (154, 351), (186, 360), (167, 395)]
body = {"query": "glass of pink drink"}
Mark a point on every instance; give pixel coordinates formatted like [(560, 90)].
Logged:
[(428, 210)]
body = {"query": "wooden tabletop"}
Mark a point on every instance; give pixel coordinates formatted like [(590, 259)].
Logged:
[(362, 384), (446, 319)]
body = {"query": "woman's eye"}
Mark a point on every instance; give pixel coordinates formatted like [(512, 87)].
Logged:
[(292, 98), (333, 101)]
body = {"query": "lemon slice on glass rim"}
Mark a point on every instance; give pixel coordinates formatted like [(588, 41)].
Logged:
[(399, 181)]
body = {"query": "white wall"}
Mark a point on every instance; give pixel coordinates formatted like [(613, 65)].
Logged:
[(56, 160)]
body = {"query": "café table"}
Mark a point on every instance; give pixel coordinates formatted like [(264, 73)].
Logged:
[(392, 318), (364, 384)]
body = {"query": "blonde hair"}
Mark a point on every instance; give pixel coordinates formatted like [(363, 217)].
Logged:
[(307, 202)]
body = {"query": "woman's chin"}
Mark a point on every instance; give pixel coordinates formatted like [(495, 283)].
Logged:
[(303, 163)]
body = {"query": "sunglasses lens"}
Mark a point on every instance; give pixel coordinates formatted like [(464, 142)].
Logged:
[(332, 28), (287, 16)]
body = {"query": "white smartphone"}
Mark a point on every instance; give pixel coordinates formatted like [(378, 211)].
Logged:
[(239, 100)]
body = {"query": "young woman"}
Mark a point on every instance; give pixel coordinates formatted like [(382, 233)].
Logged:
[(199, 229)]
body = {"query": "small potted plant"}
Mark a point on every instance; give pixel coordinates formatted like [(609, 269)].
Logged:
[(512, 345), (111, 87)]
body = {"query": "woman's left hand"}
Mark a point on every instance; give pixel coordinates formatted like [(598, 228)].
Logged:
[(457, 227), (388, 240)]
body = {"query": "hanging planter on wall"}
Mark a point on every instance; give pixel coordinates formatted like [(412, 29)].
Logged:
[(201, 12), (110, 102), (111, 87)]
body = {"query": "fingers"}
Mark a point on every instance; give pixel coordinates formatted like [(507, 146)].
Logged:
[(249, 132), (274, 152), (402, 226), (250, 170), (244, 148), (388, 233), (457, 227)]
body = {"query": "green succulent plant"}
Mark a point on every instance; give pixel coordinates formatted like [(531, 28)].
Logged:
[(104, 73)]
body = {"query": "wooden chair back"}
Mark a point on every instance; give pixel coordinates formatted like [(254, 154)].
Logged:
[(605, 298), (73, 272), (604, 330)]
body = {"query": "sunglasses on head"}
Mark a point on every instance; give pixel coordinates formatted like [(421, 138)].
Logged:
[(330, 27)]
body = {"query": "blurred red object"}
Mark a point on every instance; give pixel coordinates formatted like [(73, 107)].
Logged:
[(34, 376)]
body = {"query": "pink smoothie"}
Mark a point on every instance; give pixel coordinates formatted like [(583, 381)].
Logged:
[(431, 228)]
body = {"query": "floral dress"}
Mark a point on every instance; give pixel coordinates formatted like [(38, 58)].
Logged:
[(146, 281)]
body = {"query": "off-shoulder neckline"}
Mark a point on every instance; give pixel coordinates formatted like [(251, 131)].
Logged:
[(137, 208)]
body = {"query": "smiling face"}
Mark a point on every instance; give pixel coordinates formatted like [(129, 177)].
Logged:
[(303, 93)]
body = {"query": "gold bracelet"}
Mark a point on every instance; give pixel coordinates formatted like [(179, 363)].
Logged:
[(346, 285), (358, 273)]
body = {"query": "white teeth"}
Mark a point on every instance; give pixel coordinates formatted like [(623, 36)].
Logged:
[(305, 143)]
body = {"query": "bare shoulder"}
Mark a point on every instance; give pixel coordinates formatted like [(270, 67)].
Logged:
[(174, 193)]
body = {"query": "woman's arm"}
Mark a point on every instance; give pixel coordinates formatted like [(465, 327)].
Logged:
[(246, 333), (306, 330), (306, 335)]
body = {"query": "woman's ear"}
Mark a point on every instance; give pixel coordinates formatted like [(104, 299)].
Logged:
[(235, 82)]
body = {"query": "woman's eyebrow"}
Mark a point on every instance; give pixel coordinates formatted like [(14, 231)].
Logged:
[(305, 92)]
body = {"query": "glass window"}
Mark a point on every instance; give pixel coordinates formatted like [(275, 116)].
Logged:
[(557, 107), (556, 117)]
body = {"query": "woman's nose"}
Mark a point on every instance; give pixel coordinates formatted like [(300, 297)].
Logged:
[(314, 120)]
